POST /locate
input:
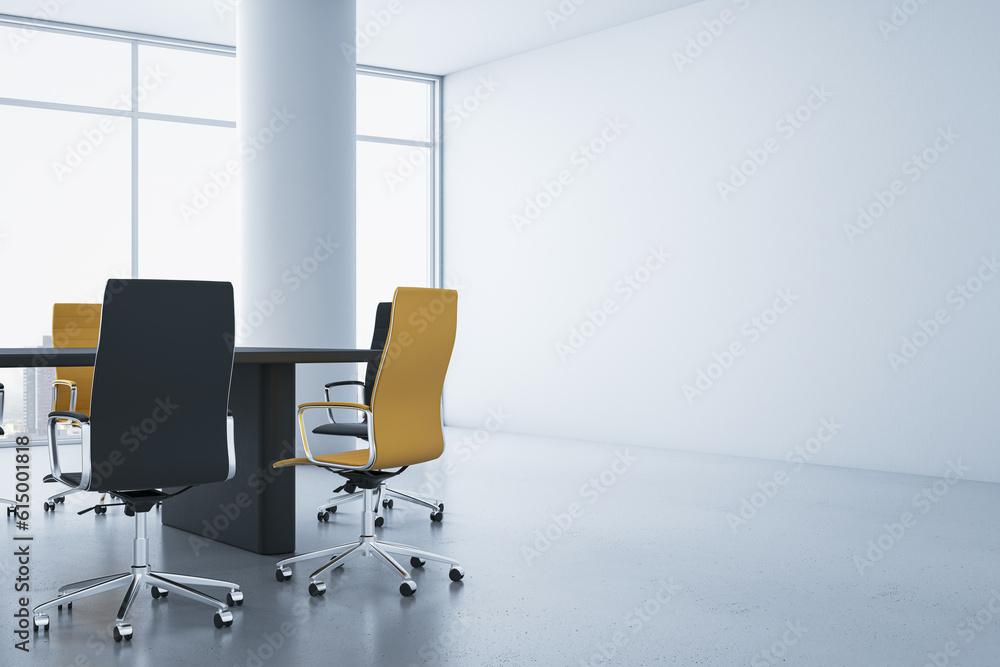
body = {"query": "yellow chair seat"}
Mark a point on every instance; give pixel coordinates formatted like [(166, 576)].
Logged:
[(357, 457)]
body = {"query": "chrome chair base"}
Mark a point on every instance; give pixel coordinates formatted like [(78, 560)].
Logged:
[(384, 499), (59, 498), (138, 578), (367, 544)]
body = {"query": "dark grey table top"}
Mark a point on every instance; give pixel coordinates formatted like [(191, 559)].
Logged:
[(25, 357)]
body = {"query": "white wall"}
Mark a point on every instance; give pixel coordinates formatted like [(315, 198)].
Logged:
[(656, 185)]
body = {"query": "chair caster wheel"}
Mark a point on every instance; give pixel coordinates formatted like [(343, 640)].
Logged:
[(387, 504), (323, 516), (437, 516), (40, 622), (416, 562), (407, 588), (68, 606), (49, 507), (100, 509), (123, 631), (440, 507), (234, 598), (317, 588), (11, 510), (61, 500), (158, 593), (456, 573), (379, 521), (283, 573), (223, 619)]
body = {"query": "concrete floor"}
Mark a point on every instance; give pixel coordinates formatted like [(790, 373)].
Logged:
[(623, 555)]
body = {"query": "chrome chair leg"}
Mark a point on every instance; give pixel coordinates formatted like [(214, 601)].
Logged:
[(140, 577), (336, 501), (354, 551), (332, 551), (109, 584), (171, 584), (367, 543), (86, 583), (416, 500), (406, 550)]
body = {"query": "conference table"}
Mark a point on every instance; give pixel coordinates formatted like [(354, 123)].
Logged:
[(256, 509)]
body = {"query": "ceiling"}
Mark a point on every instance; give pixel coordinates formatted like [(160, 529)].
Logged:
[(430, 36)]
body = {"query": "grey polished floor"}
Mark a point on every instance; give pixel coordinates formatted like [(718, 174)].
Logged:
[(575, 554)]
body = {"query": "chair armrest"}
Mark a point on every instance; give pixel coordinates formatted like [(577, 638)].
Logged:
[(231, 442), (84, 423), (327, 405), (69, 414), (72, 392), (341, 383)]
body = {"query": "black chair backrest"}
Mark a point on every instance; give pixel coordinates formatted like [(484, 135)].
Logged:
[(383, 317), (161, 385)]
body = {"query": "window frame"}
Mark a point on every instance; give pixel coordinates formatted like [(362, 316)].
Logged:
[(134, 114)]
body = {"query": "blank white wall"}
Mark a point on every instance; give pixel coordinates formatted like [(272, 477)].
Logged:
[(515, 124)]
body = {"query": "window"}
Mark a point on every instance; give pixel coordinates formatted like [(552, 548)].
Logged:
[(121, 149), (397, 194)]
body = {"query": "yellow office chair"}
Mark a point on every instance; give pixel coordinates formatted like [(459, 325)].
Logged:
[(403, 427), (384, 496), (73, 325)]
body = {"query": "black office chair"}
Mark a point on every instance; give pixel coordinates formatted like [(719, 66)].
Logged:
[(384, 495), (158, 421), (11, 505)]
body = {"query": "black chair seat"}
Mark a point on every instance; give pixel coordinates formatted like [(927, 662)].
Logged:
[(356, 430), (71, 476)]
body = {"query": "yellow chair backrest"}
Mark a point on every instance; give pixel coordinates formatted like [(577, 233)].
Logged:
[(75, 325), (406, 399)]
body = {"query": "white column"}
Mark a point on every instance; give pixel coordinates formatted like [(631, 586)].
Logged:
[(297, 131)]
